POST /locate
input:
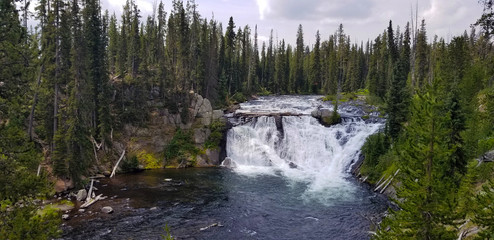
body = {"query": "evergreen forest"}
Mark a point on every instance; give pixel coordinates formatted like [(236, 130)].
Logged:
[(82, 73)]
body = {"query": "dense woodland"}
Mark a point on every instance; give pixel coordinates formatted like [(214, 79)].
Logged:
[(82, 73)]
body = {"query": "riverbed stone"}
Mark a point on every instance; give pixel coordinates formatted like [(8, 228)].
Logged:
[(107, 209), (81, 195)]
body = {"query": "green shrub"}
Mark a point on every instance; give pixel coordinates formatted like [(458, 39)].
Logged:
[(130, 164), (218, 128), (180, 145), (329, 98), (238, 97), (374, 149), (264, 92)]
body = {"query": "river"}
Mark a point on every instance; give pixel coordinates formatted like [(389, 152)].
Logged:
[(291, 181)]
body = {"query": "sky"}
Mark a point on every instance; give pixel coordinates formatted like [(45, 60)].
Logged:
[(361, 19)]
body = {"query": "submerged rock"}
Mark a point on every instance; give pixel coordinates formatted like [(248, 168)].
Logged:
[(107, 209), (292, 165)]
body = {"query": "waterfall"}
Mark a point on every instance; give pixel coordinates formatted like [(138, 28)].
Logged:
[(298, 147)]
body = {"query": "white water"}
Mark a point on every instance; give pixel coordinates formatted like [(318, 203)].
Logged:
[(323, 156)]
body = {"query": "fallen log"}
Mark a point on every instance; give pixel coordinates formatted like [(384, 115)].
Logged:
[(397, 171), (91, 201), (116, 165)]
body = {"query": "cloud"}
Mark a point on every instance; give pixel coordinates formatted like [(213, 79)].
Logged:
[(310, 10)]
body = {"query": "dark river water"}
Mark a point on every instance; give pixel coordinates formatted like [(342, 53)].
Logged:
[(291, 181), (244, 207)]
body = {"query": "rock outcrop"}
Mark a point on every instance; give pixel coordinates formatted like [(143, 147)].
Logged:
[(148, 142)]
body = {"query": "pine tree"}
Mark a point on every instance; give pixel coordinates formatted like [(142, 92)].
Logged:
[(426, 211), (299, 62), (316, 75)]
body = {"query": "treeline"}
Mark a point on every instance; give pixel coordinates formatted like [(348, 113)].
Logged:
[(67, 84)]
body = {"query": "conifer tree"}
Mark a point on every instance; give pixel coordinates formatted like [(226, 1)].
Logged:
[(426, 211)]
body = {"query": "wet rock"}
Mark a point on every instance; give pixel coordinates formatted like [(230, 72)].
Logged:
[(292, 165), (325, 113), (65, 216), (81, 195), (107, 210), (229, 163), (82, 210)]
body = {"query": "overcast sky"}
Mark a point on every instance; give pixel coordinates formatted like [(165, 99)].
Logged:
[(361, 19)]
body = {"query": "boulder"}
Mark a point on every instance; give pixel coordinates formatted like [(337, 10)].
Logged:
[(197, 103), (107, 209), (316, 113), (489, 156), (229, 163), (217, 114), (205, 108), (107, 173), (292, 165), (325, 113), (81, 195), (63, 185)]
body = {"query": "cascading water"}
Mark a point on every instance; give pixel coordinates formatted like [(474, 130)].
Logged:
[(298, 147)]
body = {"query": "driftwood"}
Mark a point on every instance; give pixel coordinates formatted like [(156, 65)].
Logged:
[(382, 184), (116, 165), (260, 114), (91, 201), (210, 226), (394, 175), (378, 182), (90, 191)]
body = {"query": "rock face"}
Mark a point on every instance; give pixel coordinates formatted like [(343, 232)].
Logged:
[(147, 142), (81, 195), (107, 210), (201, 135)]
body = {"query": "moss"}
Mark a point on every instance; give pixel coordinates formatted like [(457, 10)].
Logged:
[(148, 160)]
